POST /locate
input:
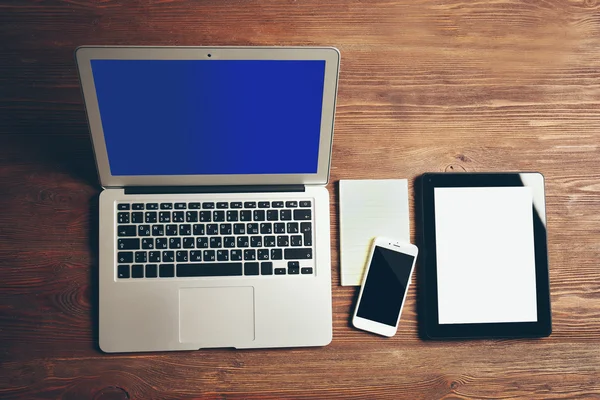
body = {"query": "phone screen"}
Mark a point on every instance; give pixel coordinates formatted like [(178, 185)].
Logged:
[(386, 283)]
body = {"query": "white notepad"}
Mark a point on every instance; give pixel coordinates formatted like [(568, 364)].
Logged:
[(368, 209)]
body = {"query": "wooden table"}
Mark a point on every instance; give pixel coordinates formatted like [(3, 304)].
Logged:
[(424, 86)]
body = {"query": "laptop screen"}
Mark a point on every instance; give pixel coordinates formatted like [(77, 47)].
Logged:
[(210, 117)]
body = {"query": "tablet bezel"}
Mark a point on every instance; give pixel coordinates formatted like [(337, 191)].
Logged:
[(432, 328)]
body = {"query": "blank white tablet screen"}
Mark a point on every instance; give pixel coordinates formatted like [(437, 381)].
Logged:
[(485, 255)]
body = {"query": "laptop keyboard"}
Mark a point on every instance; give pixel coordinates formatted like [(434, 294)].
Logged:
[(228, 238)]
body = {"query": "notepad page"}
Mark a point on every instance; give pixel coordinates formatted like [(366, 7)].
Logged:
[(485, 255), (368, 209)]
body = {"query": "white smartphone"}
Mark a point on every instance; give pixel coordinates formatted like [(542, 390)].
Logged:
[(384, 287)]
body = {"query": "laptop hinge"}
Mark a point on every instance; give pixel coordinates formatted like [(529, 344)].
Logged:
[(213, 189)]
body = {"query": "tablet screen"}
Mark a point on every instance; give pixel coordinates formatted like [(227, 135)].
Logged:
[(485, 255)]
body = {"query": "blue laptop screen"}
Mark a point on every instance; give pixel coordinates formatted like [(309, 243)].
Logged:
[(205, 117)]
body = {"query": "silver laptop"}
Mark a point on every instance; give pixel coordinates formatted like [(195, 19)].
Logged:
[(214, 216)]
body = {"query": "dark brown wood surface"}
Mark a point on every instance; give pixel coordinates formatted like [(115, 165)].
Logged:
[(424, 86)]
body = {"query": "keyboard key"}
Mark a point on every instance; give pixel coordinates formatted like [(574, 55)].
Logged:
[(222, 255), (305, 203), (308, 239), (208, 255), (137, 206), (147, 243), (236, 204), (209, 269), (266, 228), (298, 254), (123, 218), (137, 271), (276, 254), (123, 271), (263, 254), (185, 230), (251, 268), (291, 204), (158, 230), (191, 216), (239, 229), (202, 242), (175, 243), (166, 206), (180, 206), (181, 256), (249, 254), (198, 229), (306, 270), (245, 215), (166, 270), (219, 216), (172, 230), (283, 241), (258, 215), (216, 242), (143, 230), (277, 204), (188, 243), (256, 241), (232, 216), (194, 206), (300, 215), (293, 264), (252, 229), (212, 229), (137, 217), (125, 257), (123, 206), (249, 204), (296, 240), (151, 217), (285, 215), (272, 215), (208, 205), (205, 216), (151, 270), (141, 257), (222, 204), (279, 227), (292, 227), (229, 241), (161, 243), (164, 216), (225, 229), (178, 216), (269, 241), (154, 256), (236, 255), (168, 256), (151, 206), (305, 227), (126, 230), (264, 204), (279, 271), (293, 271), (128, 244), (266, 268), (195, 255)]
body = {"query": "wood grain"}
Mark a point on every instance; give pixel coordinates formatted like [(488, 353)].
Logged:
[(426, 85)]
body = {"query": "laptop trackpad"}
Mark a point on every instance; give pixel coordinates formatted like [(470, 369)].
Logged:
[(216, 317)]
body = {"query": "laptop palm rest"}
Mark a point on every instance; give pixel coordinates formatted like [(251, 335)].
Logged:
[(217, 316)]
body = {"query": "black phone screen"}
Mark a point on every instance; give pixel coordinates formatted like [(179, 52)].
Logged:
[(386, 283)]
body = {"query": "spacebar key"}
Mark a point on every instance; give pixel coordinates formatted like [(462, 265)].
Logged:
[(209, 269)]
